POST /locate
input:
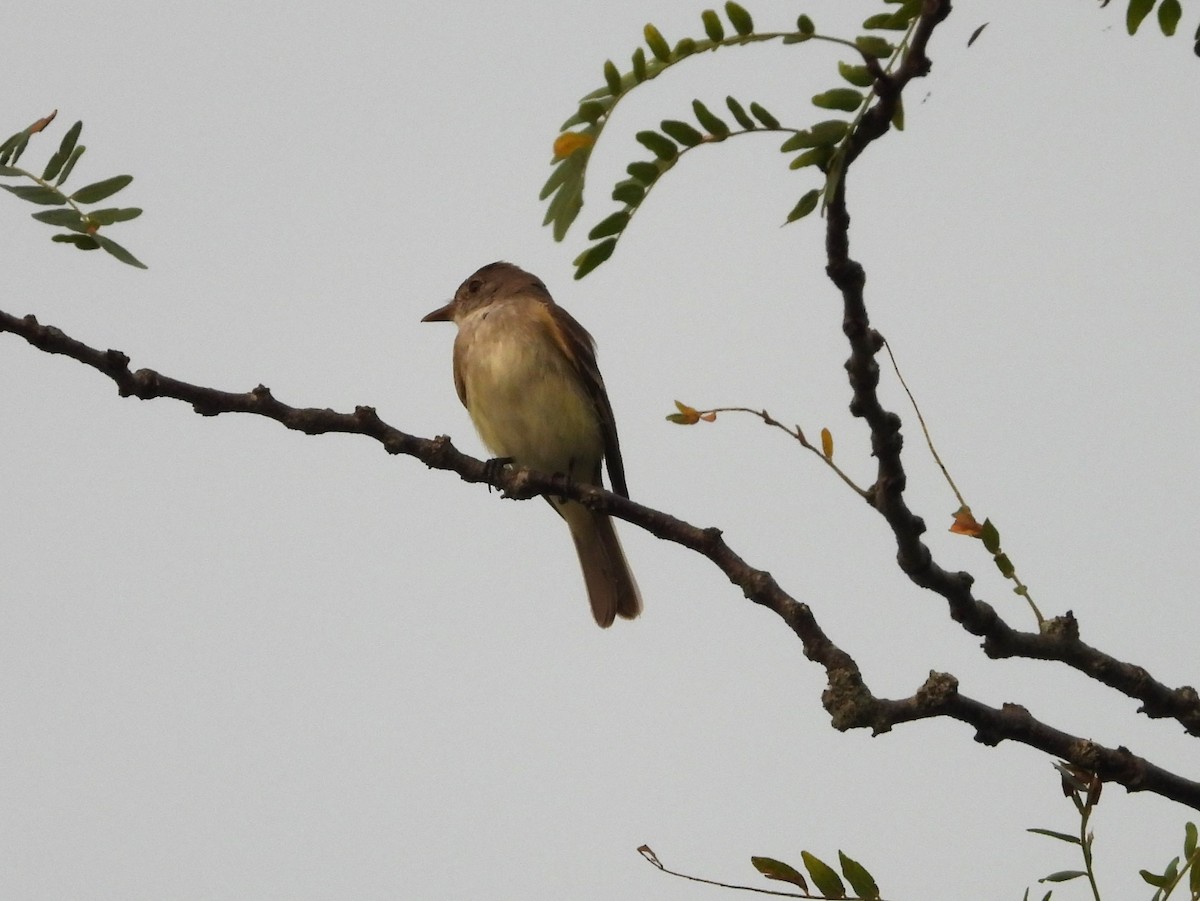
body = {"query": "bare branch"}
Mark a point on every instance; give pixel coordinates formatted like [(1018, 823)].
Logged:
[(1059, 637)]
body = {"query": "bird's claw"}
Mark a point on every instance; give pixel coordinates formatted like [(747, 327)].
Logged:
[(492, 469)]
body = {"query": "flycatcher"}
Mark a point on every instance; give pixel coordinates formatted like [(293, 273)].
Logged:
[(526, 372)]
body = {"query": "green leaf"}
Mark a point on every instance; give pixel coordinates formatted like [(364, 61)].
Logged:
[(37, 194), (898, 114), (1169, 12), (591, 111), (65, 149), (712, 25), (763, 116), (645, 172), (817, 156), (593, 257), (114, 214), (714, 124), (681, 132), (684, 48), (823, 876), (1063, 876), (575, 119), (797, 141), (1152, 878), (739, 113), (658, 46), (1061, 836), (887, 21), (70, 139), (564, 208), (612, 225), (875, 47), (639, 65), (1005, 566), (1172, 870), (119, 252), (612, 77), (13, 153), (64, 218), (1189, 840), (10, 142), (83, 242), (11, 171), (990, 536), (52, 167), (976, 33), (861, 882), (628, 192), (66, 172), (805, 26), (859, 76), (562, 171), (739, 18), (780, 871), (569, 186), (845, 99), (661, 146), (1138, 10), (833, 176), (101, 189), (828, 132)]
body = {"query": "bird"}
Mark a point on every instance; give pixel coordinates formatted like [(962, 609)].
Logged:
[(526, 371)]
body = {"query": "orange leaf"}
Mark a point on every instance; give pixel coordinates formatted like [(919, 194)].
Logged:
[(42, 123), (570, 141), (827, 443), (965, 524), (709, 417)]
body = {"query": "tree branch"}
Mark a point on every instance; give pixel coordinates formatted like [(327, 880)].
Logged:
[(1059, 637), (846, 698)]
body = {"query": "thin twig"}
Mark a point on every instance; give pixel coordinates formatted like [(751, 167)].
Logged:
[(796, 433), (647, 853), (924, 428)]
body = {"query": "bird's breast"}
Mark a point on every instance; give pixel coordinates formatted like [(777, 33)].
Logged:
[(525, 398)]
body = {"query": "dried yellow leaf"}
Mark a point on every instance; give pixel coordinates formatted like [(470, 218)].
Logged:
[(570, 141)]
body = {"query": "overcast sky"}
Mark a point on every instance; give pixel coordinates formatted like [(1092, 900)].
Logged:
[(238, 662)]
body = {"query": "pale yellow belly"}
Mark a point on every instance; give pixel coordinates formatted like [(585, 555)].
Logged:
[(527, 401)]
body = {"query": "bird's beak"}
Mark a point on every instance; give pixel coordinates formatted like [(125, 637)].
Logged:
[(441, 314)]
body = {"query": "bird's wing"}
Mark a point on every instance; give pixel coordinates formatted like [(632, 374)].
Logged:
[(579, 348)]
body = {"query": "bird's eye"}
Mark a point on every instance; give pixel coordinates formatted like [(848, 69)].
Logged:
[(475, 285)]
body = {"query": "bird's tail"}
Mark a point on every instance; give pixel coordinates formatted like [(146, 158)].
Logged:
[(610, 584)]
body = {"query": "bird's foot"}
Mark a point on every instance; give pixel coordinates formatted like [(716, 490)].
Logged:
[(562, 478), (493, 467)]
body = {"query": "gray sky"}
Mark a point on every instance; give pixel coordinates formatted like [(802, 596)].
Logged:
[(238, 662)]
